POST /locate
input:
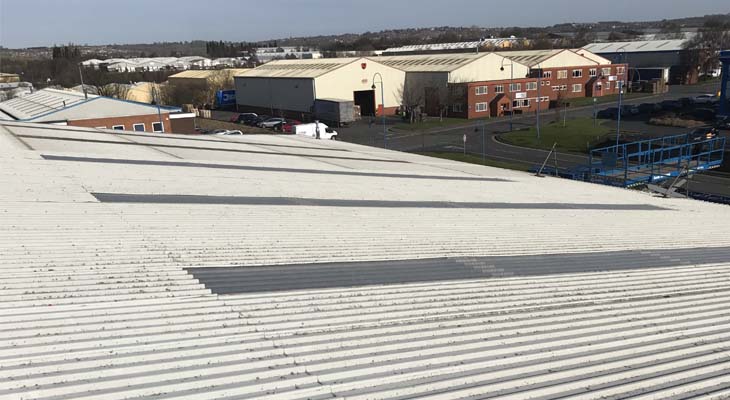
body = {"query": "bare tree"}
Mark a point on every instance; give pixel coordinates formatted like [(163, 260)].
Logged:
[(412, 98), (115, 90), (218, 80), (704, 48)]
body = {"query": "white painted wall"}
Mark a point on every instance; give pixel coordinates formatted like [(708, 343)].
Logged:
[(487, 68), (342, 82)]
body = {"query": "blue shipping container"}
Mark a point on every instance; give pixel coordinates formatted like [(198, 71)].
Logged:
[(225, 98)]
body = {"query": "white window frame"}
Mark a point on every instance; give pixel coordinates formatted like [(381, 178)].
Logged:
[(544, 98), (563, 74), (134, 127), (577, 73), (515, 87), (620, 70), (531, 86), (606, 71), (578, 86), (607, 86), (592, 72), (481, 107), (556, 88), (481, 90), (521, 103), (499, 89), (162, 127), (563, 87), (547, 74), (118, 127)]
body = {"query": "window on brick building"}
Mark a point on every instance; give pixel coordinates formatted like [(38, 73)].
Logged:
[(515, 87), (606, 71), (118, 127), (577, 73), (547, 74), (620, 70), (480, 107), (592, 72), (157, 127), (138, 127), (499, 89), (481, 90), (531, 85), (563, 74), (577, 88)]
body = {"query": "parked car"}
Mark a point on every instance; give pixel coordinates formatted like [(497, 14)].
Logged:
[(314, 129), (670, 105), (233, 132), (629, 110), (243, 117), (256, 121), (271, 122), (648, 108), (218, 132), (609, 113), (703, 114), (704, 99), (288, 126), (703, 133)]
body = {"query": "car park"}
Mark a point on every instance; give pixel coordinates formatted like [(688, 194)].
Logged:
[(256, 121), (271, 122), (287, 126), (703, 114)]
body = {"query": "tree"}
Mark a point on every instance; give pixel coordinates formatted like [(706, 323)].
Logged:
[(704, 48), (412, 98)]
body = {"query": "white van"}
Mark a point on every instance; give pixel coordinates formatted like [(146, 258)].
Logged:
[(310, 130)]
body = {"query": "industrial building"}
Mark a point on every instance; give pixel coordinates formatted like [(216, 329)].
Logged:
[(65, 107), (665, 60), (278, 267), (290, 87), (469, 85), (487, 44)]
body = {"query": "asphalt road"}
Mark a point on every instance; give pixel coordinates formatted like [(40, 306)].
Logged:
[(481, 137)]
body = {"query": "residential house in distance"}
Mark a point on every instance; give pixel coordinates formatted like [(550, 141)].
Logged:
[(65, 107)]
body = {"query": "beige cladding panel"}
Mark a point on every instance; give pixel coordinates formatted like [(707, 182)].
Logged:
[(342, 82), (566, 58), (294, 94), (491, 67)]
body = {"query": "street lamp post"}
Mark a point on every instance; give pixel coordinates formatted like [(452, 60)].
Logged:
[(620, 99), (594, 110), (382, 114), (537, 120), (511, 77)]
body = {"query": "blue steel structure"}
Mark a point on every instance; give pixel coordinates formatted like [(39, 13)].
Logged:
[(724, 90), (652, 161)]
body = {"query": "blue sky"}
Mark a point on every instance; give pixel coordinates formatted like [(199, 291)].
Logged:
[(45, 22)]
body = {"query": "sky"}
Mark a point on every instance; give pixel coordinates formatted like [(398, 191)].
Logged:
[(26, 23)]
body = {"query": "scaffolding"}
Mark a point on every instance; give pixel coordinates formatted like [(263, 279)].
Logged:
[(652, 161)]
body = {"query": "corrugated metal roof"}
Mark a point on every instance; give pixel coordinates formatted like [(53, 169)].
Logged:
[(496, 42), (298, 68), (41, 102), (101, 300), (429, 62), (530, 57), (636, 47)]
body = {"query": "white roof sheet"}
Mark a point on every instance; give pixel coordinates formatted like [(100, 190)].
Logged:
[(41, 102), (636, 47), (97, 300), (497, 42), (310, 68), (429, 62)]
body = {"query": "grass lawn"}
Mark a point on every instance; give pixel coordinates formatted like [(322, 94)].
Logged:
[(587, 101), (433, 122), (577, 136), (475, 160)]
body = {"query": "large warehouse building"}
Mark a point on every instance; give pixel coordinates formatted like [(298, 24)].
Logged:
[(467, 85), (289, 87), (667, 60)]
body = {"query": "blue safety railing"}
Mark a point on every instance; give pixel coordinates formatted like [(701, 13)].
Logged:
[(651, 161)]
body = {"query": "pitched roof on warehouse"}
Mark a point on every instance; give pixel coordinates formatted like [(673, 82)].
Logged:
[(312, 68), (636, 46), (51, 105), (276, 266)]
